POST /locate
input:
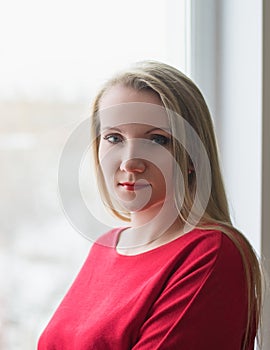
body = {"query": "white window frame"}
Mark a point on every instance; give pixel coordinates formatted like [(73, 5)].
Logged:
[(210, 60)]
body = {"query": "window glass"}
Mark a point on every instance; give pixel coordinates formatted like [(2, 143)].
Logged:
[(54, 56)]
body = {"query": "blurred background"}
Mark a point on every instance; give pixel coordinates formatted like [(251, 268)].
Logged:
[(54, 56)]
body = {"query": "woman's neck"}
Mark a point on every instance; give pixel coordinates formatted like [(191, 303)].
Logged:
[(150, 229)]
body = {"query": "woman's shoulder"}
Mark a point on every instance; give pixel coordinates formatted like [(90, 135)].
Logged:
[(109, 238), (212, 244), (208, 257), (215, 237)]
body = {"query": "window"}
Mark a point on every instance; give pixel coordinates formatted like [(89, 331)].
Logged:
[(54, 55)]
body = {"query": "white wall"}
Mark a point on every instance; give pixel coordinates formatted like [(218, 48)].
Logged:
[(240, 111), (226, 64), (231, 65)]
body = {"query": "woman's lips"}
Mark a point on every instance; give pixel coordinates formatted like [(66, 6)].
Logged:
[(132, 186)]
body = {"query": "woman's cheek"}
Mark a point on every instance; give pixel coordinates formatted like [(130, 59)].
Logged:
[(108, 163)]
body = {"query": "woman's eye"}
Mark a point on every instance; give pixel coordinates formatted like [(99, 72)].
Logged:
[(160, 139), (113, 138)]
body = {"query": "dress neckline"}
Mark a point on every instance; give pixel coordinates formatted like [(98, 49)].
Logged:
[(151, 250)]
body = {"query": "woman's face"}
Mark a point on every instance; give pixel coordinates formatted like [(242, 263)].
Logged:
[(135, 148)]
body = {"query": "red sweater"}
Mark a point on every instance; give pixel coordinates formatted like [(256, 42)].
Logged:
[(189, 294)]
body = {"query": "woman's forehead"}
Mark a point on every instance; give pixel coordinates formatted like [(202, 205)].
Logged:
[(119, 94), (134, 113)]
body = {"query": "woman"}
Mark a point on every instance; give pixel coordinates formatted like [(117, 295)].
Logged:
[(179, 276)]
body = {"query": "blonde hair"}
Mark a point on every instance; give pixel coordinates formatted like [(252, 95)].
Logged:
[(180, 95)]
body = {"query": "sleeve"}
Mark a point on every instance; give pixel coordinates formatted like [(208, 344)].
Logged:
[(203, 305)]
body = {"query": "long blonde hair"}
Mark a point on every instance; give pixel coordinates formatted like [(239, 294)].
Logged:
[(179, 94)]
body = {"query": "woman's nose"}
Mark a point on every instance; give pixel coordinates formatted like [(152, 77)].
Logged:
[(132, 156), (133, 165)]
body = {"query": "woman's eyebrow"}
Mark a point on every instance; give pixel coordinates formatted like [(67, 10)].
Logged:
[(105, 128), (158, 129)]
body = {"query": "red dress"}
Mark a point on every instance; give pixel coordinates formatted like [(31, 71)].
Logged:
[(189, 294)]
